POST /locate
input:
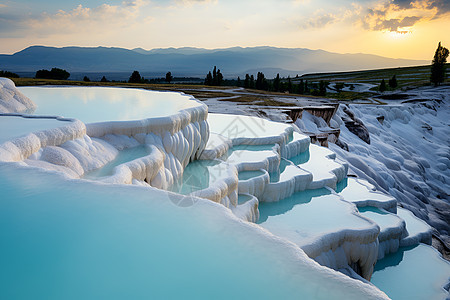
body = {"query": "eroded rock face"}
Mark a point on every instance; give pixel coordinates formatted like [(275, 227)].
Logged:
[(408, 156), (342, 144), (325, 112), (356, 126), (12, 100)]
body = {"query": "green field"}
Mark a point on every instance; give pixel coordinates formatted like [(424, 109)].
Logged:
[(407, 77)]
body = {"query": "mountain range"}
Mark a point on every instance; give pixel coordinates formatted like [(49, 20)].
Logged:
[(194, 62)]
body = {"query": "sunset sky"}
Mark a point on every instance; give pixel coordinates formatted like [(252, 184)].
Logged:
[(396, 28)]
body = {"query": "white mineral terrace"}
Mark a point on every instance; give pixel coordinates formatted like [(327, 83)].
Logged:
[(181, 190)]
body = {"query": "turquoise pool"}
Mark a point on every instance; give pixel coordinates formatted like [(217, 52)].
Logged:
[(15, 127), (307, 215), (68, 239), (412, 273), (199, 175), (124, 156), (273, 209), (101, 104), (413, 225), (246, 175)]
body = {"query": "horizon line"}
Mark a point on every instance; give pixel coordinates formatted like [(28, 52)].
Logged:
[(209, 49)]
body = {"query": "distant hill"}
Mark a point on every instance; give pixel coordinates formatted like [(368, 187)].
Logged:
[(194, 62)]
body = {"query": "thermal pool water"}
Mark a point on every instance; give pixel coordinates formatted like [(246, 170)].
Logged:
[(125, 231)]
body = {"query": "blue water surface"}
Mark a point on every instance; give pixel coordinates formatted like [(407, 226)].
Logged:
[(72, 239)]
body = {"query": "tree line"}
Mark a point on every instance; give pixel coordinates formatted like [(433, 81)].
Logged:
[(214, 78), (283, 85), (278, 84), (8, 74)]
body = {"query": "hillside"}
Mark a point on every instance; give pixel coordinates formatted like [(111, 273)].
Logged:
[(195, 62)]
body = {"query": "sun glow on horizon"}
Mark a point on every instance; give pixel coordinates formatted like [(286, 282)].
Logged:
[(398, 35)]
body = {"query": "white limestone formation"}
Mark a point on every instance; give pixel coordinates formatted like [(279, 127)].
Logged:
[(259, 161), (392, 230), (363, 194), (12, 100)]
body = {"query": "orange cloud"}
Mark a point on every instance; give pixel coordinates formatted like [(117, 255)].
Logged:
[(401, 15)]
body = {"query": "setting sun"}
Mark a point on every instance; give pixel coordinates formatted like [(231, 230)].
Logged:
[(402, 34)]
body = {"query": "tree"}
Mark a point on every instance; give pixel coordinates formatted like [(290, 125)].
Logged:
[(252, 81), (44, 74), (238, 83), (289, 85), (322, 88), (103, 79), (219, 78), (86, 79), (209, 79), (247, 81), (135, 77), (393, 82), (54, 73), (276, 83), (382, 87), (169, 77), (259, 81), (214, 76), (8, 74), (339, 86), (301, 87), (438, 72), (59, 73)]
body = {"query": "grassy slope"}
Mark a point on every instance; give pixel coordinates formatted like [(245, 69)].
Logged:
[(406, 76)]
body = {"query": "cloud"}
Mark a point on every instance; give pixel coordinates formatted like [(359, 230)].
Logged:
[(403, 4), (78, 19), (441, 6), (321, 18), (395, 24), (12, 24), (319, 21), (401, 15)]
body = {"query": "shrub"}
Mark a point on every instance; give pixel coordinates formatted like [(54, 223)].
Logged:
[(54, 73), (8, 74)]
